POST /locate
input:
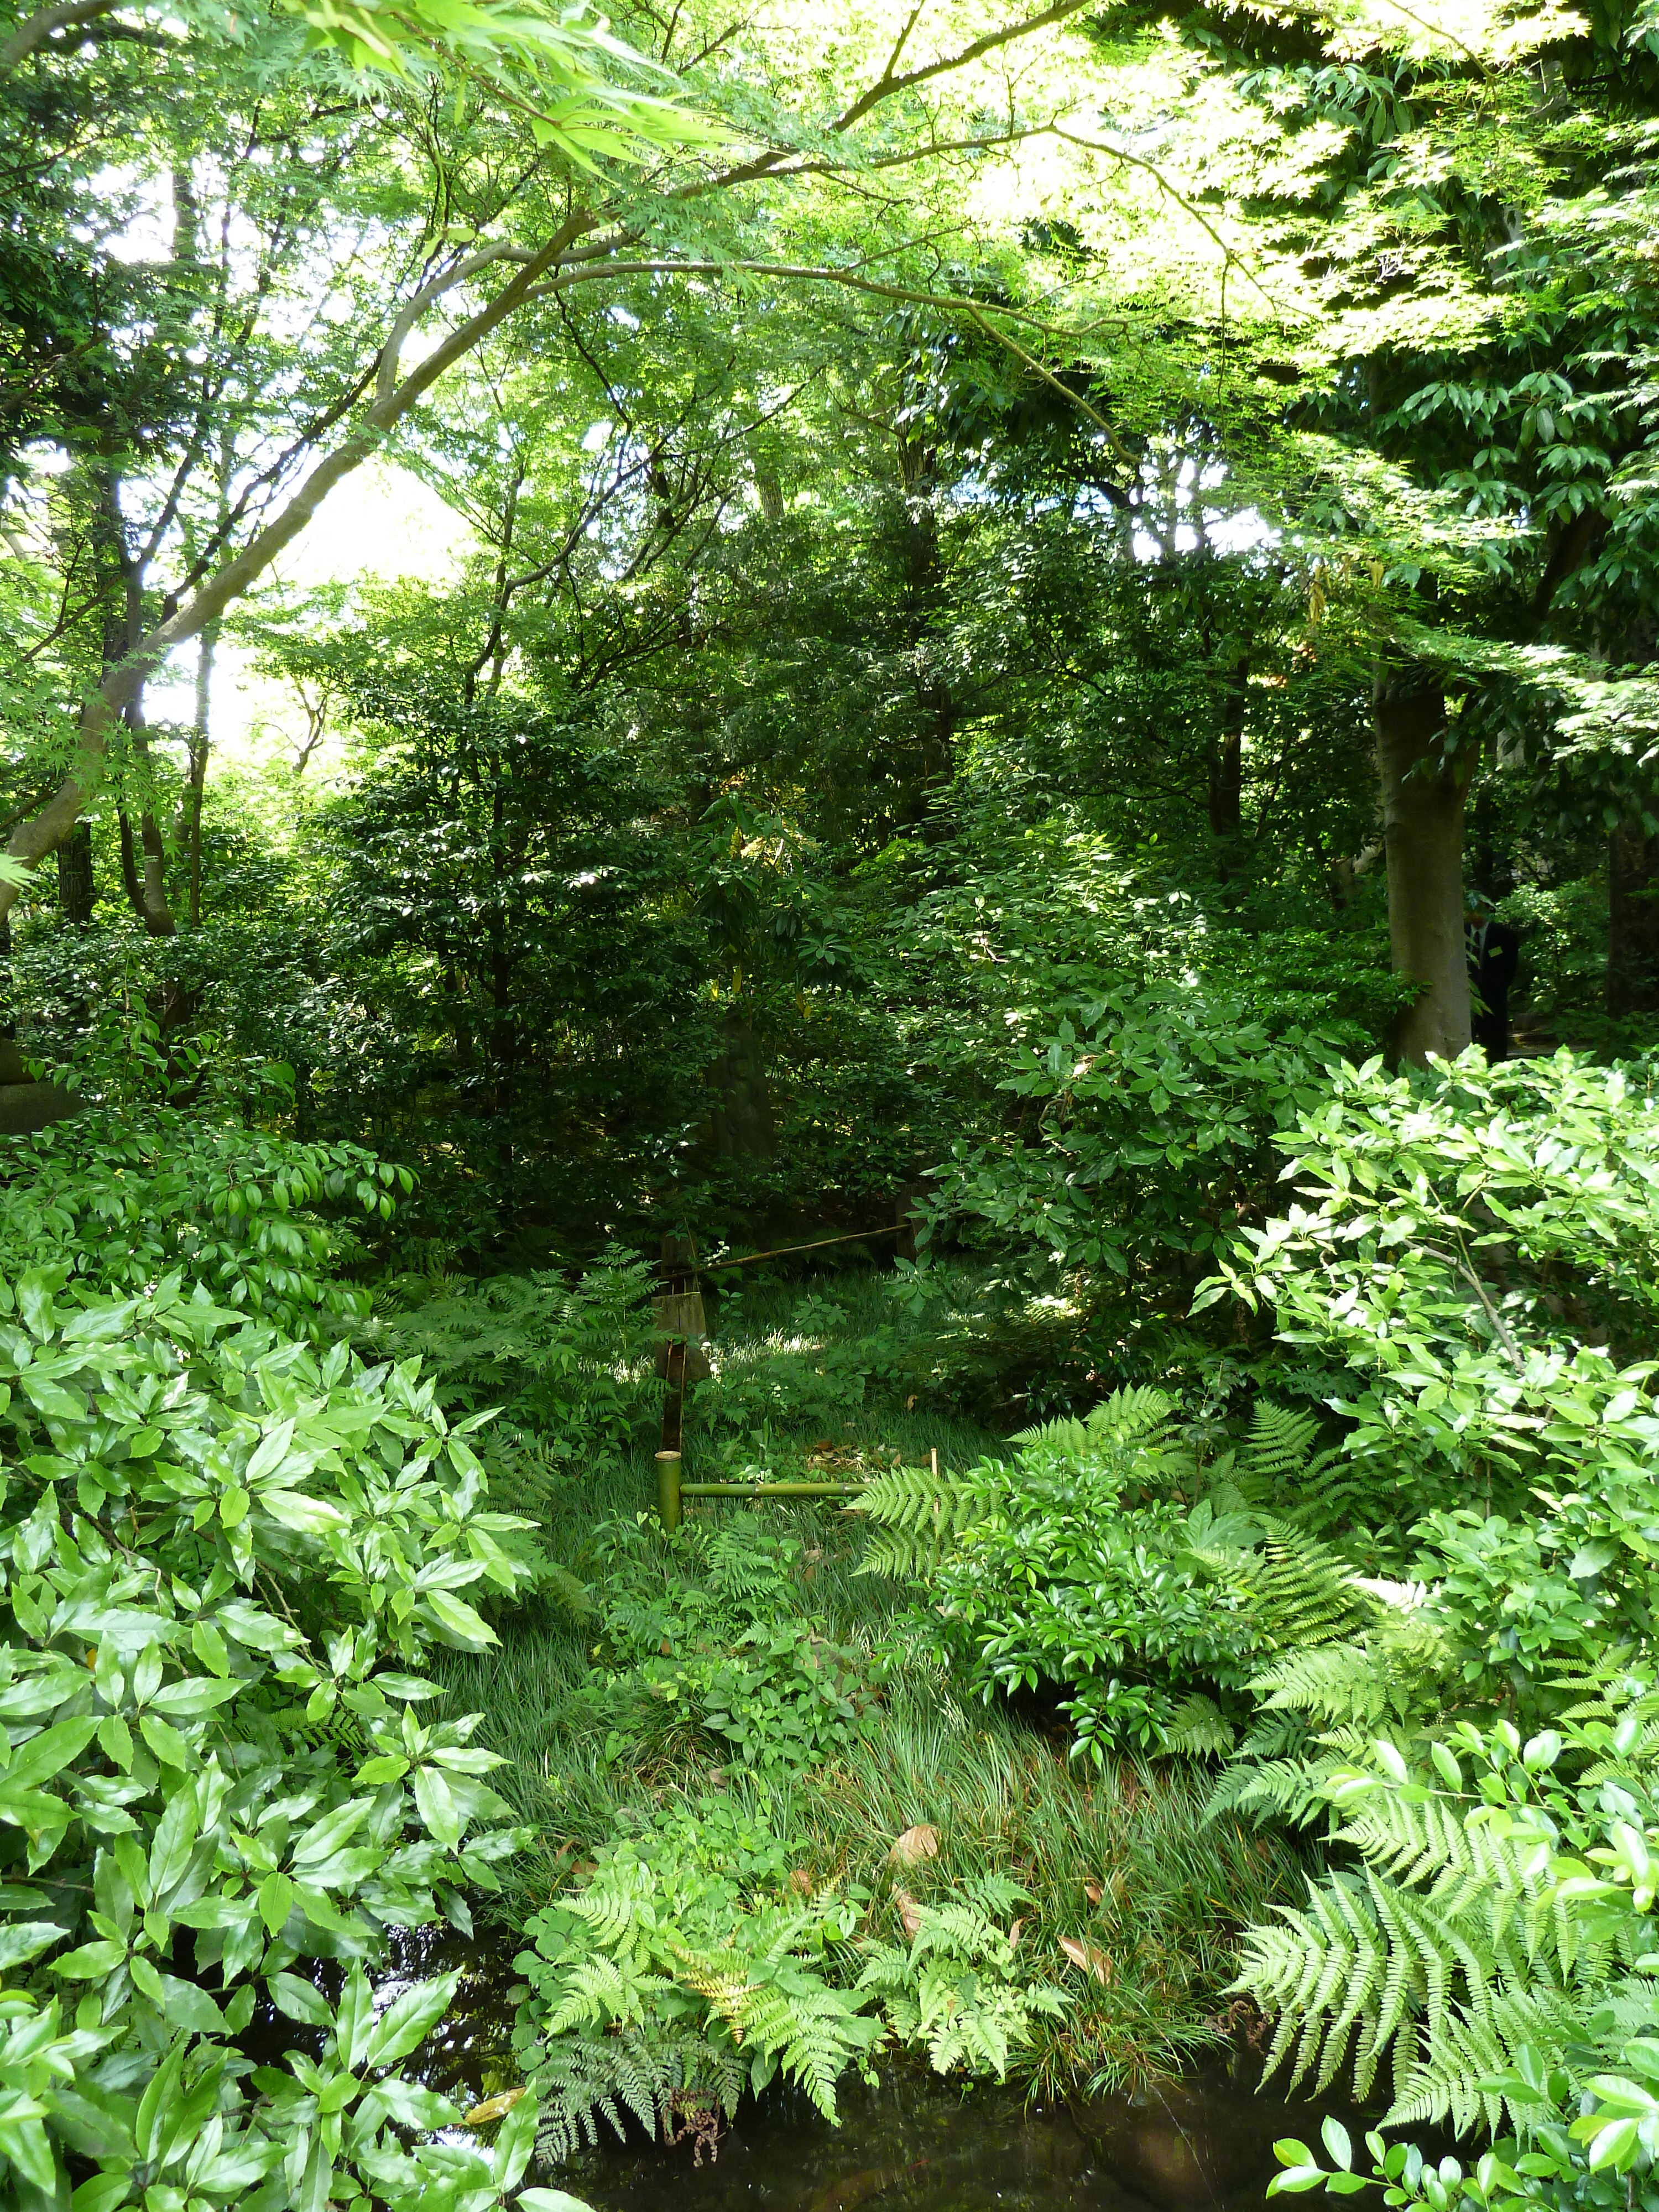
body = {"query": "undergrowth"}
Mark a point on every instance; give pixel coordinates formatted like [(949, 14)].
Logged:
[(733, 1746)]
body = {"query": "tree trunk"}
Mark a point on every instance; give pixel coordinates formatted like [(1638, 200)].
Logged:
[(1632, 923), (153, 905), (124, 631), (200, 738), (1424, 796), (129, 866), (1227, 756), (78, 888)]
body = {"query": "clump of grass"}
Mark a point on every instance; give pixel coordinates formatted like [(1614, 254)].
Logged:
[(1119, 1862)]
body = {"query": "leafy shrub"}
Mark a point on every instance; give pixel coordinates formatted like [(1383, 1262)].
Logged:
[(1083, 1564), (223, 1552), (119, 1199), (706, 1625), (1147, 1131), (1479, 1248)]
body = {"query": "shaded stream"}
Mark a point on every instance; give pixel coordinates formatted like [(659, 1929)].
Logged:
[(915, 2144)]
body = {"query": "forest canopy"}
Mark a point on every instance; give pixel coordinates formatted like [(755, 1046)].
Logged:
[(1000, 864)]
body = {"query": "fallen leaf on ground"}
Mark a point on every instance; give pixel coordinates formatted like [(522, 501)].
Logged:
[(493, 2108), (910, 1912), (1085, 1956), (916, 1844), (1092, 1891)]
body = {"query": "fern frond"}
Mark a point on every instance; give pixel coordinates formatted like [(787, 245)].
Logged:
[(1289, 1789), (603, 1991), (1306, 1592), (581, 2080), (1332, 1682), (1136, 1415), (921, 1513), (1275, 1453), (1065, 1433), (1198, 1728), (574, 1598)]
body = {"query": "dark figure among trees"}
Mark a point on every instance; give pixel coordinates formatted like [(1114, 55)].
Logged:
[(1494, 953)]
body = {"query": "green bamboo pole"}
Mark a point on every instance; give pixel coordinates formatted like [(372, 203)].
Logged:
[(770, 1489), (669, 1488)]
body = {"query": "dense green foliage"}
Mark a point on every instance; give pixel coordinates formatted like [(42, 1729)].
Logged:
[(1004, 587), (224, 1553)]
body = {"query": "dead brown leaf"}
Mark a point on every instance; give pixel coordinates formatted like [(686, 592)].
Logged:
[(1085, 1956), (916, 1844), (910, 1912)]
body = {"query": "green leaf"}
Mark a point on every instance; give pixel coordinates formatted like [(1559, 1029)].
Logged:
[(276, 1901), (411, 1688), (437, 1807), (47, 1754), (459, 1622), (1615, 2145), (23, 1940), (189, 1699), (165, 1741), (335, 1829), (410, 2019), (269, 1452), (101, 2193), (307, 1517), (90, 1962), (299, 2001), (189, 2007), (412, 2106)]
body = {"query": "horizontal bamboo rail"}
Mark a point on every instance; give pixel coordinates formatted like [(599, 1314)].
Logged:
[(671, 1489)]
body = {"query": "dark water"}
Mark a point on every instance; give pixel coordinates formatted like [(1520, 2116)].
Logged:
[(915, 2144)]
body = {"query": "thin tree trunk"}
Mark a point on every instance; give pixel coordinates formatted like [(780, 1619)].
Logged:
[(153, 897), (200, 739), (1632, 923), (124, 631), (129, 866), (1227, 756), (744, 1128), (1424, 797)]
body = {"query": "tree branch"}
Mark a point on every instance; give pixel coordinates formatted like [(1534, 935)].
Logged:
[(35, 30), (887, 84), (34, 840)]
